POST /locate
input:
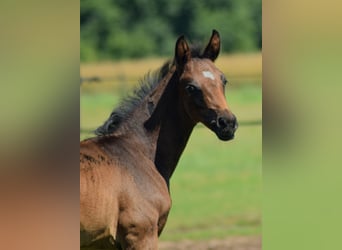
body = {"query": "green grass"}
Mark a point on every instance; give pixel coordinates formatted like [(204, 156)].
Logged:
[(216, 188), (95, 109)]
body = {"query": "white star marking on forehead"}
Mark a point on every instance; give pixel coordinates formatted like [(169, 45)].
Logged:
[(208, 74)]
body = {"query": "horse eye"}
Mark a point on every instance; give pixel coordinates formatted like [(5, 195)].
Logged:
[(224, 80), (190, 88)]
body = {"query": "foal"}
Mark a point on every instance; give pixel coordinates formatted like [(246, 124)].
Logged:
[(125, 171)]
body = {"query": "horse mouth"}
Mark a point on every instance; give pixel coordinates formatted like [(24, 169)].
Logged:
[(224, 135)]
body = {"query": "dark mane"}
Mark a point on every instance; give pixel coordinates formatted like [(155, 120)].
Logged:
[(130, 103)]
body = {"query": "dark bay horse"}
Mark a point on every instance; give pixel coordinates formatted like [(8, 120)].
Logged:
[(125, 170)]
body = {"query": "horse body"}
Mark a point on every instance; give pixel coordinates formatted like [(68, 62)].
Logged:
[(124, 179)]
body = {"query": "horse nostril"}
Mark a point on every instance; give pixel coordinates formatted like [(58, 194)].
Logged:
[(222, 122), (234, 124)]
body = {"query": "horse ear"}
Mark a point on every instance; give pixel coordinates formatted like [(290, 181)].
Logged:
[(213, 48), (182, 52)]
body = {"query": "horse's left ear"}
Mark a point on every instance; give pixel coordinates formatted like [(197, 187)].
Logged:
[(213, 48), (182, 53)]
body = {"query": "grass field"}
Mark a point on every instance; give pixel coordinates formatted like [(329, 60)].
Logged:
[(216, 188)]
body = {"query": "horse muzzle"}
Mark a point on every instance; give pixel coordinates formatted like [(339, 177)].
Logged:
[(225, 127)]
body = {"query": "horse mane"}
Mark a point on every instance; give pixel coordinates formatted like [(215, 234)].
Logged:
[(147, 84)]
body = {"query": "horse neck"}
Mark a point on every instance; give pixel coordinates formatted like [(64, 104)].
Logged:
[(174, 134), (174, 129)]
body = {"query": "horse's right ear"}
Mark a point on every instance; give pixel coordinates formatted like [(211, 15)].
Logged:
[(213, 48), (182, 53)]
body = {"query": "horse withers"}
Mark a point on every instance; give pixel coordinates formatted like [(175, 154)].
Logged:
[(125, 170)]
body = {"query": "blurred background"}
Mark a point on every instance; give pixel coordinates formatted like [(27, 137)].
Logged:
[(117, 29), (216, 189)]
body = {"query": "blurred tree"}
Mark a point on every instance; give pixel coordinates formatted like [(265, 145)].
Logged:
[(115, 29)]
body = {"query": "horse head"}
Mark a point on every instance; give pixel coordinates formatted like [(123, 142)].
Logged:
[(202, 88)]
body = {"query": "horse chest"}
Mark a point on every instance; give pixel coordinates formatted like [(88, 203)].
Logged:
[(148, 195), (144, 208)]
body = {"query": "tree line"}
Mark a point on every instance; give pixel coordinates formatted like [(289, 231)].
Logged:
[(116, 29)]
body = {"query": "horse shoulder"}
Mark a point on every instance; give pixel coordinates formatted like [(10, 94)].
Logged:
[(99, 182), (148, 190)]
